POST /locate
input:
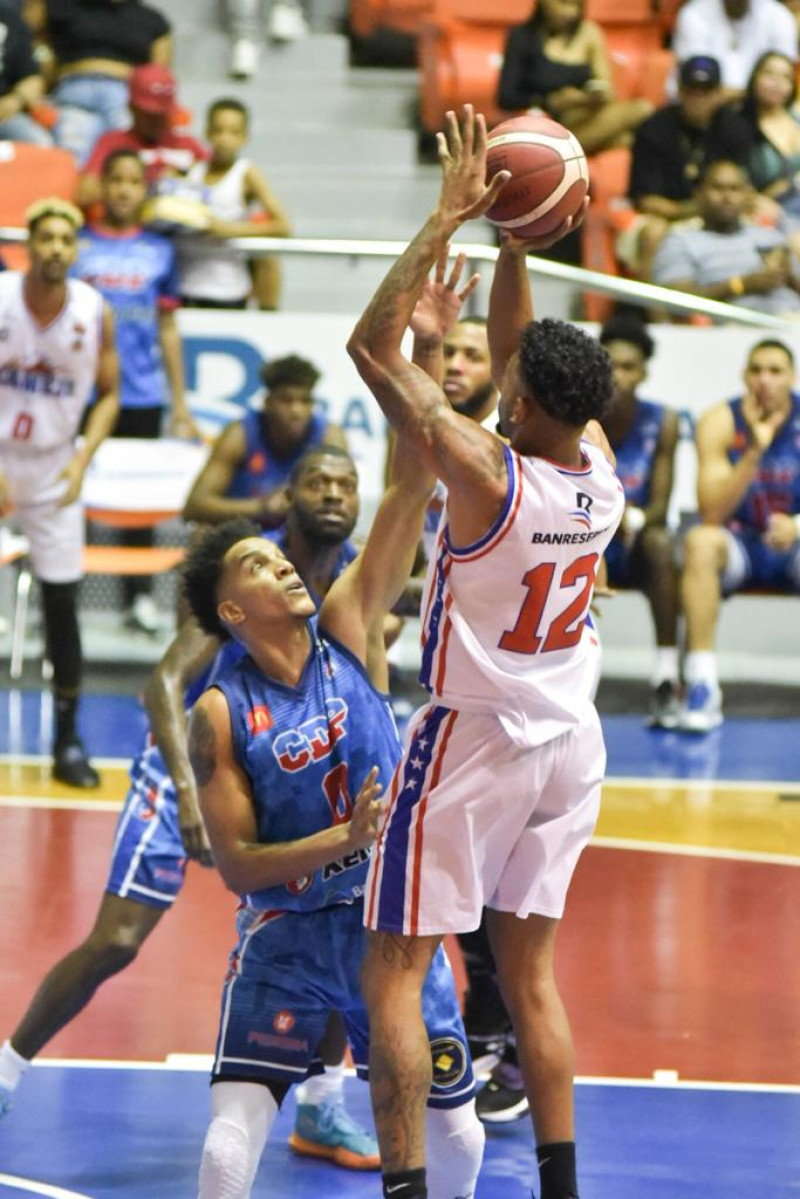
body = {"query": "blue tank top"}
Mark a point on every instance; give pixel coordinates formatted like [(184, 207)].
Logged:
[(306, 751), (776, 487), (636, 452), (261, 470)]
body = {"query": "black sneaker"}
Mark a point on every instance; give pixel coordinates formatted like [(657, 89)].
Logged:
[(486, 1051), (665, 706), (72, 766), (503, 1098)]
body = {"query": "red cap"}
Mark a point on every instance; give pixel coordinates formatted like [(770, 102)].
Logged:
[(152, 88)]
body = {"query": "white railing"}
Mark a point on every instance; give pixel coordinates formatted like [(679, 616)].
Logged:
[(582, 279)]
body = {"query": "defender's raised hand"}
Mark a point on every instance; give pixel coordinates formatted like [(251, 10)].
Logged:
[(462, 154), (439, 306)]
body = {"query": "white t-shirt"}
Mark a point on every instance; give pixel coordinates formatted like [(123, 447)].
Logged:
[(703, 27), (211, 269)]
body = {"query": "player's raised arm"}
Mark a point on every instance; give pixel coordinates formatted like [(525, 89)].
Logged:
[(454, 448), (226, 802)]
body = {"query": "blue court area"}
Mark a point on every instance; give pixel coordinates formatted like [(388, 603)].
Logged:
[(113, 726), (137, 1133)]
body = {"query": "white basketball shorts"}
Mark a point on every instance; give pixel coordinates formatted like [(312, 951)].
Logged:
[(474, 820), (56, 535)]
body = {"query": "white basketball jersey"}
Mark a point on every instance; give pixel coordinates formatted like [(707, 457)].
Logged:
[(46, 373), (503, 619)]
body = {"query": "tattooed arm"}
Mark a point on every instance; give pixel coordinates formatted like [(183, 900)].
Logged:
[(226, 803), (469, 460)]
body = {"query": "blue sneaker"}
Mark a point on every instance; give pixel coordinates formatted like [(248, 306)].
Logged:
[(702, 709), (327, 1131), (6, 1102)]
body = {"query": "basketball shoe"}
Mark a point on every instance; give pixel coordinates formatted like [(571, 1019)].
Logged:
[(71, 764), (286, 22), (503, 1098), (702, 709), (326, 1130), (665, 706)]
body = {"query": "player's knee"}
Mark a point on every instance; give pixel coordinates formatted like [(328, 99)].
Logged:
[(657, 545), (454, 1151), (701, 547), (226, 1168), (113, 951)]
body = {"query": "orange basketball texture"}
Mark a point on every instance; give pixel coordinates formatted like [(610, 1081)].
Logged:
[(549, 175)]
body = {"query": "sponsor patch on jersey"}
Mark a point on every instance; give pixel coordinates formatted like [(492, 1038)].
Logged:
[(283, 1021), (259, 720), (449, 1061)]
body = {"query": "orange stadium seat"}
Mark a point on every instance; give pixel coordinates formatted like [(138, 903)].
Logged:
[(27, 174)]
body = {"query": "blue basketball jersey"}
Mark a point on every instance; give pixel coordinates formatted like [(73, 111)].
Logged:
[(306, 751), (261, 470), (636, 452), (776, 487)]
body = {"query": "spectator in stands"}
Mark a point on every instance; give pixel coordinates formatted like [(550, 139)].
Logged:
[(644, 437), (670, 150), (252, 459), (774, 127), (21, 82), (725, 258), (135, 272), (737, 33), (152, 92), (286, 23), (95, 45), (213, 275), (557, 61), (748, 490)]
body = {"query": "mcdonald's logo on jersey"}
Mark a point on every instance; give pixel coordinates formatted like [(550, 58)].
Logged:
[(259, 720)]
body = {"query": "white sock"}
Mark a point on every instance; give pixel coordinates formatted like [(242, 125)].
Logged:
[(321, 1087), (666, 667), (12, 1066), (454, 1140), (701, 667), (243, 1114)]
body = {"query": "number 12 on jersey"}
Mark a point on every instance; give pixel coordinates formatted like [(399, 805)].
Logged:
[(566, 628)]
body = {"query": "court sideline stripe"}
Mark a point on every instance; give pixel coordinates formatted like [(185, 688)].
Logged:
[(200, 1063), (40, 1188), (696, 851)]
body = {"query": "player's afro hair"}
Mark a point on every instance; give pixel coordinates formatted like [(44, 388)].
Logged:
[(202, 570), (567, 372), (291, 371)]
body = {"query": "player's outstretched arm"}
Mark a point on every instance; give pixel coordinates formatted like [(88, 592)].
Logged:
[(227, 807), (186, 658)]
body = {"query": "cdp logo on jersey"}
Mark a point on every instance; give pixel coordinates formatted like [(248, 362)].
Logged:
[(313, 740), (259, 720), (581, 513)]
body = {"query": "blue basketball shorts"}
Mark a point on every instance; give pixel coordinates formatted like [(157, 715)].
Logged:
[(752, 563), (148, 862), (290, 970)]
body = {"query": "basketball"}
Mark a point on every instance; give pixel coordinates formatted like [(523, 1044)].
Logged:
[(549, 175)]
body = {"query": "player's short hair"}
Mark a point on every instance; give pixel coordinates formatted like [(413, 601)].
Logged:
[(631, 330), (567, 372), (291, 371), (313, 453), (473, 320), (225, 104), (771, 343), (52, 206), (711, 166), (115, 156), (202, 570)]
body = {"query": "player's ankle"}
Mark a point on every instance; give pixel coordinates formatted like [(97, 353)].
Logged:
[(405, 1184), (12, 1066), (557, 1171)]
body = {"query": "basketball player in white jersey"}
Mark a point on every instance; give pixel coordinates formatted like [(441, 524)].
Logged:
[(56, 348), (499, 785)]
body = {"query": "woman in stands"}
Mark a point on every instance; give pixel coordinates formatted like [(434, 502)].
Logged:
[(92, 46), (557, 61), (774, 158)]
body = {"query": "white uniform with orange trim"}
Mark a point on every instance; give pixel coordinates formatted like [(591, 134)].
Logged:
[(47, 373), (499, 785)]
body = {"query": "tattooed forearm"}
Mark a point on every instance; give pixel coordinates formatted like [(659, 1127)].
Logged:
[(202, 747)]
